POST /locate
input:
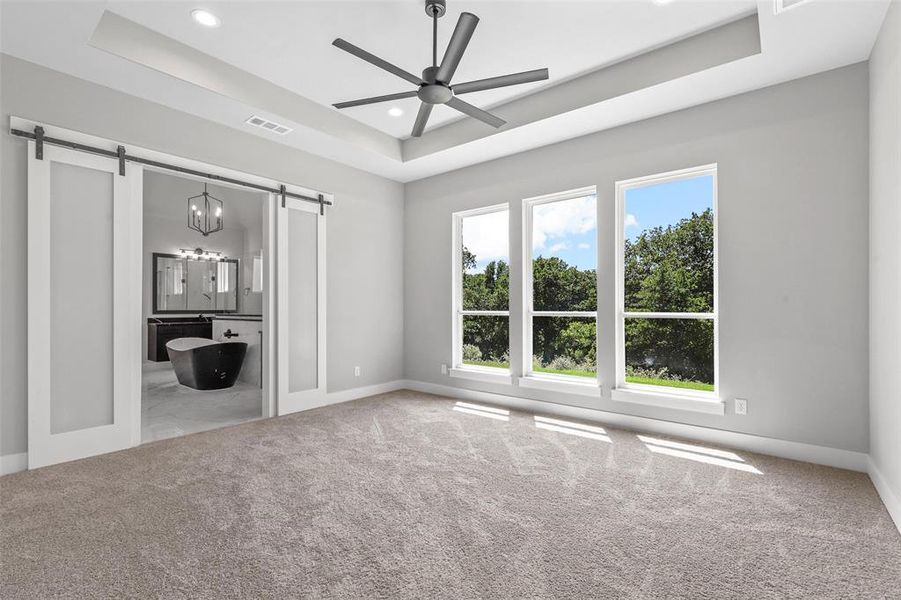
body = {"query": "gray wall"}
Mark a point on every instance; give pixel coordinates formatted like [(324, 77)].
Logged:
[(885, 251), (792, 250), (365, 229)]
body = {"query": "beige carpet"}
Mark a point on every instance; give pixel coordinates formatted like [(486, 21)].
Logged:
[(402, 496)]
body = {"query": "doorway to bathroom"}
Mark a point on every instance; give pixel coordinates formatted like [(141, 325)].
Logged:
[(98, 328), (202, 304)]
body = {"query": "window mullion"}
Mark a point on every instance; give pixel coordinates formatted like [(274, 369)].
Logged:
[(667, 315)]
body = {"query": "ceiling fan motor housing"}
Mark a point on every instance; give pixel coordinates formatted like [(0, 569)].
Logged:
[(433, 91)]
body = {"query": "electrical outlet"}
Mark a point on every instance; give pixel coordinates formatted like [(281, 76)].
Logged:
[(741, 406), (444, 369), (356, 371)]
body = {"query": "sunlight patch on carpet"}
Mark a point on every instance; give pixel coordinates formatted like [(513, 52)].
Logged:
[(490, 412), (710, 456), (592, 432)]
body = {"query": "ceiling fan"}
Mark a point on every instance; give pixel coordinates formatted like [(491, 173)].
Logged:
[(434, 87)]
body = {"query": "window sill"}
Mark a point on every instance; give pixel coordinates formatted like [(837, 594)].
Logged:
[(483, 374), (566, 385), (710, 405)]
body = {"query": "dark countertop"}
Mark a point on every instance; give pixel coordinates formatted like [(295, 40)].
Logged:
[(233, 317)]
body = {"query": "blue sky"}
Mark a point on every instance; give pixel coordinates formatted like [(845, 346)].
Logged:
[(666, 203), (568, 229)]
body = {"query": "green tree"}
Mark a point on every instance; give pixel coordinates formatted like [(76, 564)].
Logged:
[(670, 269), (558, 286), (667, 269), (486, 290)]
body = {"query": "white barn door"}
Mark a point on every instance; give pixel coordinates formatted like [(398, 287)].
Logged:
[(300, 306), (84, 305)]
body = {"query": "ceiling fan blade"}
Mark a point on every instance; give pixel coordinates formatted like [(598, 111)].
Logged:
[(503, 81), (375, 99), (375, 60), (466, 25), (422, 118), (475, 112)]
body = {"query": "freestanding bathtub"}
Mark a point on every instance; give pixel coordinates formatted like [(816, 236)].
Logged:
[(205, 364)]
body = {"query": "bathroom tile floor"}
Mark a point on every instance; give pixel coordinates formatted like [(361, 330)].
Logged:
[(169, 409)]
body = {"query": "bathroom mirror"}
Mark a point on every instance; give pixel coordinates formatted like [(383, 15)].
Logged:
[(192, 285)]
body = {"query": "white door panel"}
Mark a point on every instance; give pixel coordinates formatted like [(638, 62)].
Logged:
[(301, 306), (84, 278)]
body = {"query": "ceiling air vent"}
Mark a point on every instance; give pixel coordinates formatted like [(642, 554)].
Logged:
[(268, 125)]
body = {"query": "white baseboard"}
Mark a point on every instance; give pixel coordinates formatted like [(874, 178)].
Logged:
[(891, 501), (363, 392), (821, 455), (13, 463)]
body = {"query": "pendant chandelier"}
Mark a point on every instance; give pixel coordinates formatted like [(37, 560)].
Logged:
[(205, 216)]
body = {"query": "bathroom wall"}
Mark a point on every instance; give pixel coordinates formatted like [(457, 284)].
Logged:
[(250, 332), (166, 230), (365, 228)]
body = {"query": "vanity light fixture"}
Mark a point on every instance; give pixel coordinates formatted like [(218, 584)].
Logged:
[(205, 213), (205, 18), (201, 254)]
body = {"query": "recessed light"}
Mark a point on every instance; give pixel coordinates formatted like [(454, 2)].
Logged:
[(205, 18), (661, 2), (395, 111)]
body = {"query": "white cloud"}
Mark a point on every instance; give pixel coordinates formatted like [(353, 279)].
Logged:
[(555, 248), (584, 246), (630, 221), (560, 219), (486, 236)]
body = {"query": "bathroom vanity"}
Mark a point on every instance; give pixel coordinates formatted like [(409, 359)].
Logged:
[(161, 330)]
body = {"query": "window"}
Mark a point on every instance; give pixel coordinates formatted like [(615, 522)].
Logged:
[(666, 282), (560, 286), (222, 283), (257, 281), (481, 290)]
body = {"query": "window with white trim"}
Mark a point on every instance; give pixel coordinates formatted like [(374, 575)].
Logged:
[(481, 289), (560, 248), (666, 282)]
